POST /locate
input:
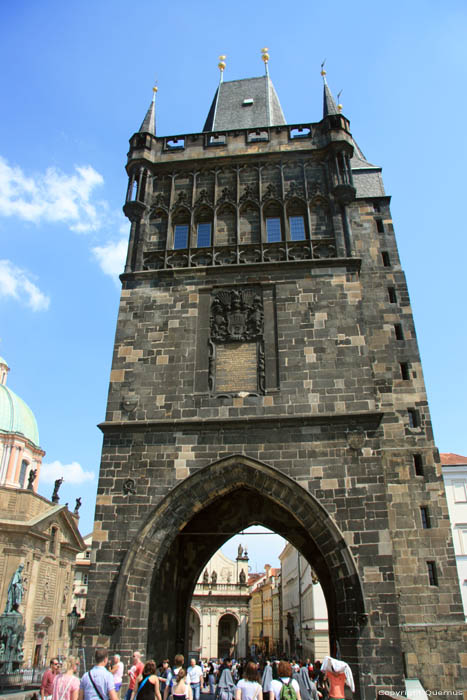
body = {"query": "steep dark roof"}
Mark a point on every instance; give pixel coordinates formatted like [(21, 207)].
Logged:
[(149, 123), (228, 110), (329, 106)]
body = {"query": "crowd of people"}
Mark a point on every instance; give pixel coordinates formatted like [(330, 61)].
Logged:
[(224, 679)]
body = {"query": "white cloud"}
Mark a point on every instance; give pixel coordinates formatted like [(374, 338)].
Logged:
[(16, 283), (53, 196), (72, 473), (111, 257)]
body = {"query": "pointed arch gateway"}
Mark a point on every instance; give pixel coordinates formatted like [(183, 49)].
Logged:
[(159, 572)]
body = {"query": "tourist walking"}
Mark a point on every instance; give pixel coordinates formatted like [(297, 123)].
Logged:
[(266, 679), (195, 674), (211, 677), (248, 688), (134, 672), (165, 679), (308, 689), (179, 660), (66, 684), (48, 678), (284, 671), (181, 689), (147, 684), (116, 669), (338, 674), (98, 683), (226, 688)]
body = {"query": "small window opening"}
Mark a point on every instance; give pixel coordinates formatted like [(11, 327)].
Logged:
[(258, 136), (297, 228), (379, 226), (376, 206), (88, 554), (85, 579), (217, 140), (134, 191), (175, 144), (300, 133), (425, 515), (414, 420), (204, 234), (273, 230), (398, 331), (392, 295), (432, 574), (405, 373), (247, 102), (181, 236), (418, 464), (386, 258), (53, 539)]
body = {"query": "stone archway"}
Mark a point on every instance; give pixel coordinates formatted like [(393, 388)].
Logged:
[(194, 632), (227, 631), (160, 569)]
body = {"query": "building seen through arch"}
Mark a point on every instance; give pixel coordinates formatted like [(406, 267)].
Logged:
[(266, 371), (218, 621)]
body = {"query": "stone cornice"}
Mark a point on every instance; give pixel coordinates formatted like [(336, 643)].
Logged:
[(351, 419), (349, 263)]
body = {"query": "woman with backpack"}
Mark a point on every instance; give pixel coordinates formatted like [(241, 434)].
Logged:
[(285, 687)]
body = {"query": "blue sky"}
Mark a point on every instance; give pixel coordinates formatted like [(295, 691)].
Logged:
[(77, 82)]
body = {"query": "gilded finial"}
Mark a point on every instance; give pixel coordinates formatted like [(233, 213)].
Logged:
[(339, 106), (265, 57), (221, 66), (323, 72)]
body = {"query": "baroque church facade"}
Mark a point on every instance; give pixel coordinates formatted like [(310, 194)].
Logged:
[(218, 621), (266, 370), (39, 540)]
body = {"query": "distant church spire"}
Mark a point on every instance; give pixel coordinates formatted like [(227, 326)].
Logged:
[(149, 123), (329, 106)]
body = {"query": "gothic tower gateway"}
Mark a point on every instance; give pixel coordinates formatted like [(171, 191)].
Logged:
[(266, 370)]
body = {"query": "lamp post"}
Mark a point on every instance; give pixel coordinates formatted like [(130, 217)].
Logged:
[(73, 619)]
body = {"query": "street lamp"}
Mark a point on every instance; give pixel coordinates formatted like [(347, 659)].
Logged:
[(73, 619)]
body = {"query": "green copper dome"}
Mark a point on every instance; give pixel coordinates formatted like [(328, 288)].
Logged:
[(16, 416)]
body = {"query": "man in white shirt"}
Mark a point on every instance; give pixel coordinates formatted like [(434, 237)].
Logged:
[(195, 674)]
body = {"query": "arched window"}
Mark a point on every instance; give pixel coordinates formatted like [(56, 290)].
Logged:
[(181, 229), (250, 231), (22, 474), (226, 227), (203, 222), (53, 539), (158, 230), (274, 223), (321, 226), (298, 225)]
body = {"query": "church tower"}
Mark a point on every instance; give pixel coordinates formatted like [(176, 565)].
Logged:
[(266, 370)]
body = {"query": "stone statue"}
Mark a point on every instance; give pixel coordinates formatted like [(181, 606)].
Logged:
[(77, 506), (58, 483), (15, 590), (242, 577), (31, 478), (206, 576), (214, 577), (240, 551)]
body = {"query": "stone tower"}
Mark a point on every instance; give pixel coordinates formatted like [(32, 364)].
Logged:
[(266, 370)]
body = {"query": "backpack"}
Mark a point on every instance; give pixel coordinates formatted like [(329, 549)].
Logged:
[(287, 691)]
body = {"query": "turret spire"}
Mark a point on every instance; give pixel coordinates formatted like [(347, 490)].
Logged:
[(329, 106), (149, 123)]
